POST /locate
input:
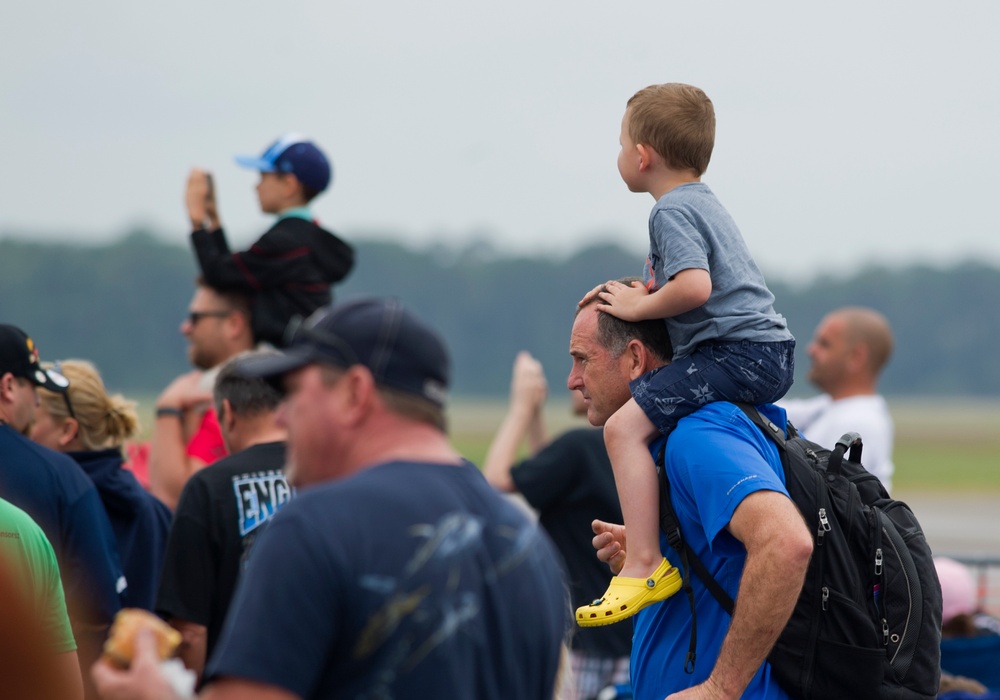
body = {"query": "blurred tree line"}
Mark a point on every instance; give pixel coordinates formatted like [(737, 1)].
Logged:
[(120, 305)]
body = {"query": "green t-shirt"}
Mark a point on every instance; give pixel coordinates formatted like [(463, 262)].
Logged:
[(32, 562)]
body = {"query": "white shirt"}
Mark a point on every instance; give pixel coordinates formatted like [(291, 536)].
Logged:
[(823, 421)]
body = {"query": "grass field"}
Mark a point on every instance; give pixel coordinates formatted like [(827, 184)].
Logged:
[(948, 445)]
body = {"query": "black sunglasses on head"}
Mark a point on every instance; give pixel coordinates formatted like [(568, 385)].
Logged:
[(57, 367)]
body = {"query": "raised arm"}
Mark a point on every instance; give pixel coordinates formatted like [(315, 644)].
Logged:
[(523, 420), (199, 199), (170, 465)]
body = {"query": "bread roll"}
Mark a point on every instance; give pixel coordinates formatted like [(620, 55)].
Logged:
[(120, 646)]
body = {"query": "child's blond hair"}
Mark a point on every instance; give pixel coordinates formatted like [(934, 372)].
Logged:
[(675, 120)]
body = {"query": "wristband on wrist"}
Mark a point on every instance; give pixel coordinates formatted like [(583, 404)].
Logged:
[(169, 411)]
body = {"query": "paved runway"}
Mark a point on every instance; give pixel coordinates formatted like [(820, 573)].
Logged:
[(958, 523), (963, 525)]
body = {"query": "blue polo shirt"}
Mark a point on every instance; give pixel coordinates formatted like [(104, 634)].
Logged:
[(714, 459)]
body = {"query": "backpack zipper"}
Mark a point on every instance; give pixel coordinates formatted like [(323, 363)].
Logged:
[(909, 590), (879, 578)]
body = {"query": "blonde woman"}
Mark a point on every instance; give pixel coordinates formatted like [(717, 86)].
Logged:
[(91, 426)]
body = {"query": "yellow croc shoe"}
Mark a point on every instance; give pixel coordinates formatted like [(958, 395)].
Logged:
[(627, 596)]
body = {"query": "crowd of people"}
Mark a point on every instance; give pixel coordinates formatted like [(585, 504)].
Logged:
[(303, 521)]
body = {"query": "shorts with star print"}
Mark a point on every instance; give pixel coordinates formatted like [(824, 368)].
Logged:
[(742, 370)]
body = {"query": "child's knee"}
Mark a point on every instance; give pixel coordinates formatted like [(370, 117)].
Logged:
[(627, 425)]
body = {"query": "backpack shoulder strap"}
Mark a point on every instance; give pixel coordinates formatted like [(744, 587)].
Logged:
[(689, 560), (772, 430)]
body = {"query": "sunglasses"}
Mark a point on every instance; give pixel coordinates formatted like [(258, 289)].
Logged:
[(57, 367), (195, 316)]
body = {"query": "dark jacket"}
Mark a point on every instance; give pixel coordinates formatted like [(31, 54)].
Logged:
[(287, 272), (140, 523)]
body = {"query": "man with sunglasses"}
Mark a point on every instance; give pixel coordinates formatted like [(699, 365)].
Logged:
[(186, 435), (52, 489), (396, 571)]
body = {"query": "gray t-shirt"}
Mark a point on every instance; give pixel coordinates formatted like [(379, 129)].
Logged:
[(690, 229)]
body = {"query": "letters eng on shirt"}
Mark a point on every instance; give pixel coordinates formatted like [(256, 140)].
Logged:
[(258, 497)]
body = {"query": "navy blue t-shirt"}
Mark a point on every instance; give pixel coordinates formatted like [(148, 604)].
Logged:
[(406, 580), (54, 491)]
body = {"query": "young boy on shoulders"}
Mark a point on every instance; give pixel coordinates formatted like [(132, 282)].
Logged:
[(729, 344), (289, 270)]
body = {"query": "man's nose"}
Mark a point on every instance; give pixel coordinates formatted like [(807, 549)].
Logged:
[(573, 380)]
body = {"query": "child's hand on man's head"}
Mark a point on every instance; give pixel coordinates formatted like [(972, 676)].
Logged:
[(623, 301), (589, 296)]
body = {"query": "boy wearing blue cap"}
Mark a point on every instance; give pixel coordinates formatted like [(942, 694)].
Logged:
[(289, 270)]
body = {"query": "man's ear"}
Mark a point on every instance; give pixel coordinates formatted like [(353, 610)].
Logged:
[(6, 386), (238, 324), (858, 358), (226, 419), (360, 391), (637, 358)]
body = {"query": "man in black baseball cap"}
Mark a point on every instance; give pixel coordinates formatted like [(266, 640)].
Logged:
[(19, 356), (395, 550), (58, 495), (20, 373), (400, 351)]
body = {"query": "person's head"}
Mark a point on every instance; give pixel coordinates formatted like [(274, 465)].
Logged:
[(849, 350), (244, 405), (608, 353), (217, 327), (345, 368), (85, 417), (958, 597), (676, 121), (293, 171), (20, 374)]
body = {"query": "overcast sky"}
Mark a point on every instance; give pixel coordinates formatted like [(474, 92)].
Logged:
[(848, 133)]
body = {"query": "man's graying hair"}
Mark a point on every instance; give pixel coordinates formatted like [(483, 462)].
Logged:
[(247, 397), (615, 334)]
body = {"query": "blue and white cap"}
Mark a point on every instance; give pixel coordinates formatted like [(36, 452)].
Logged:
[(295, 154)]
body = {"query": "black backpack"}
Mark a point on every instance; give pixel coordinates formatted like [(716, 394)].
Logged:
[(868, 621)]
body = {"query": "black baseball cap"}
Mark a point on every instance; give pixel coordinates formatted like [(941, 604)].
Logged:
[(400, 350), (19, 356)]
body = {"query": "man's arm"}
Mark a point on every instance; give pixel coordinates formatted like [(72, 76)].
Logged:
[(145, 681), (194, 642), (170, 465), (523, 419), (778, 548)]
